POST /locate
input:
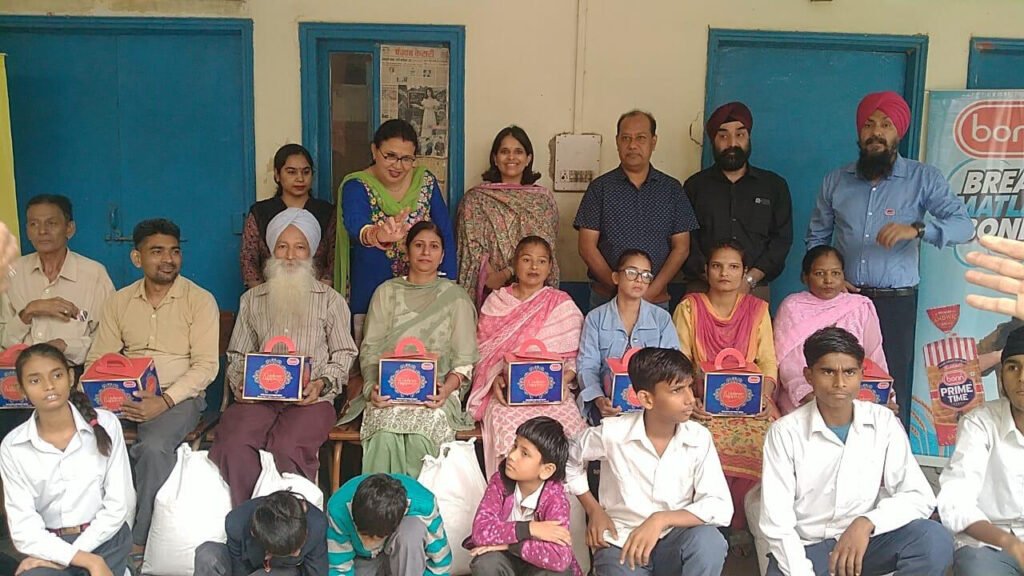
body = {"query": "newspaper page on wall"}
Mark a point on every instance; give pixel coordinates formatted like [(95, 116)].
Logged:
[(414, 88)]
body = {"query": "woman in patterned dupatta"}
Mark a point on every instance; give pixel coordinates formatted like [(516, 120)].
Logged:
[(440, 314), (494, 216), (707, 324), (510, 316), (376, 208)]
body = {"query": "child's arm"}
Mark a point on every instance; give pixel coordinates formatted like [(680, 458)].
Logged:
[(118, 493), (435, 545), (28, 532), (911, 495), (712, 501), (778, 494), (489, 527), (341, 556), (315, 562), (542, 554)]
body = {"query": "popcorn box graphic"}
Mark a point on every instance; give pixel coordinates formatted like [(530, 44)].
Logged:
[(276, 377), (619, 387), (534, 375), (875, 385), (114, 379), (10, 393), (954, 374), (408, 377), (732, 386)]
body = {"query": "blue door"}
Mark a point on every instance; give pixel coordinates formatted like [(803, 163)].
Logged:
[(996, 64), (803, 91), (136, 119)]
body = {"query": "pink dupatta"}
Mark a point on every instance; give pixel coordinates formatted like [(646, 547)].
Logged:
[(714, 335), (550, 316)]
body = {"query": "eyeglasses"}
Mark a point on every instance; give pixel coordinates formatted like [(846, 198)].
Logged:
[(632, 274), (391, 158)]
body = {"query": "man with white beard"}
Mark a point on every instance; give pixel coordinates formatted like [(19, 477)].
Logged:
[(316, 318)]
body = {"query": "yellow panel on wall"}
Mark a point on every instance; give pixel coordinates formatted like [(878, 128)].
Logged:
[(8, 199)]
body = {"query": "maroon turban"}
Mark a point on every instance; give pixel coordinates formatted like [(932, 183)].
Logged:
[(891, 104), (731, 112)]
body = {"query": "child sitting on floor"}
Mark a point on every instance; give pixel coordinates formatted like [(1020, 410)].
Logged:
[(522, 523)]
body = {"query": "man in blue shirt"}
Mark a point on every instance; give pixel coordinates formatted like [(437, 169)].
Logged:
[(873, 211), (634, 206)]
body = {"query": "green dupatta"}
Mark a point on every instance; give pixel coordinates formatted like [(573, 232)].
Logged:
[(387, 204)]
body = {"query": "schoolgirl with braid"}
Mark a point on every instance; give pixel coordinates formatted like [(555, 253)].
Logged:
[(67, 482)]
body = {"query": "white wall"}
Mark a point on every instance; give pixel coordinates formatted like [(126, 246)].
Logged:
[(521, 60)]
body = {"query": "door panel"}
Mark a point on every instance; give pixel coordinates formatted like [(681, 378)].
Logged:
[(996, 63)]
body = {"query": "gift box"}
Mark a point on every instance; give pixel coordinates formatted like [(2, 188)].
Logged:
[(276, 377), (618, 387), (534, 375), (732, 386), (875, 384), (408, 377), (114, 379), (10, 393)]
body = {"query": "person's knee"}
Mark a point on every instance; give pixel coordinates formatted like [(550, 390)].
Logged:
[(705, 545), (411, 533), (211, 555), (933, 541), (487, 564)]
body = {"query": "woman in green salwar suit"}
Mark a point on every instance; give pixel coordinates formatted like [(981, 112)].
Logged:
[(439, 313)]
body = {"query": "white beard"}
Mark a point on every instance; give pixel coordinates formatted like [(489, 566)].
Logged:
[(290, 290)]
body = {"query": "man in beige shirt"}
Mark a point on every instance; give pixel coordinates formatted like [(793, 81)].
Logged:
[(172, 320), (316, 318), (55, 295)]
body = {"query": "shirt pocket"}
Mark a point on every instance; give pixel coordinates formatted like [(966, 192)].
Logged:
[(612, 345), (759, 218)]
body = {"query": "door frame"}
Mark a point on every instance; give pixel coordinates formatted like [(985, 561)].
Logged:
[(915, 47), (241, 27), (987, 45), (318, 39)]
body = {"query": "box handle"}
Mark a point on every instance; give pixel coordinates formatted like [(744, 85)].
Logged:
[(416, 343), (289, 345), (114, 364), (726, 354), (10, 356), (532, 343)]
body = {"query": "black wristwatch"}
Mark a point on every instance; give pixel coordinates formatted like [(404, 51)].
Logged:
[(919, 226)]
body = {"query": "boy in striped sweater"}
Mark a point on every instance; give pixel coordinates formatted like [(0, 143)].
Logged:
[(386, 524)]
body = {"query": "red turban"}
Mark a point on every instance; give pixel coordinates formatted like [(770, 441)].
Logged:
[(731, 112), (891, 104)]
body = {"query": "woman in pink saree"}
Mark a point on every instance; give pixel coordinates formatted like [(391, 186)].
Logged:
[(510, 316)]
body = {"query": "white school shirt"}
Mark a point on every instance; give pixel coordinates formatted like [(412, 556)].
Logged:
[(523, 509), (636, 482), (813, 486), (46, 488), (984, 480)]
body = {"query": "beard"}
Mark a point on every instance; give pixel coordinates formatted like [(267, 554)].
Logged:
[(876, 165), (289, 288), (732, 158)]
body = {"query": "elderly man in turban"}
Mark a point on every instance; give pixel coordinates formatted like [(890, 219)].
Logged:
[(290, 303), (873, 211), (737, 202)]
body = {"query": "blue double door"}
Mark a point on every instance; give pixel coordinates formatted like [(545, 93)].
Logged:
[(135, 119)]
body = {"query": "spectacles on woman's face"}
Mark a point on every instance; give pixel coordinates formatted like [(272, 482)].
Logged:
[(633, 273), (390, 158)]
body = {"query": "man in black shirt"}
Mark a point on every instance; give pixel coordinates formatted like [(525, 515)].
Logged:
[(736, 201)]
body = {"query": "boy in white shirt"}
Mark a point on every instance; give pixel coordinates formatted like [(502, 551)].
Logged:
[(662, 489), (981, 499), (822, 511)]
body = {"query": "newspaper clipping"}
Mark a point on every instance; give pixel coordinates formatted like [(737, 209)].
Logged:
[(414, 88)]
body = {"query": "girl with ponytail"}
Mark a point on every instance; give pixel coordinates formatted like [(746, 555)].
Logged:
[(67, 482)]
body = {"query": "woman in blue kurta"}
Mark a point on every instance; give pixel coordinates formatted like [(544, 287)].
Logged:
[(377, 206)]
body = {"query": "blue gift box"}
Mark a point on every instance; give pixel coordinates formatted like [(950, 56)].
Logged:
[(619, 387), (276, 377), (10, 393), (408, 377), (114, 379), (875, 384), (534, 375), (732, 390)]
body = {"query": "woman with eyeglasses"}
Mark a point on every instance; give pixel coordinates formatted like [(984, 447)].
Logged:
[(626, 321), (495, 214), (376, 208), (724, 318), (293, 173)]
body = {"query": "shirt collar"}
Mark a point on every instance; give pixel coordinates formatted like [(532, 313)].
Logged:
[(899, 168), (638, 432), (861, 418), (1004, 416), (653, 174), (30, 433), (718, 175), (68, 270), (175, 292), (645, 319), (531, 501)]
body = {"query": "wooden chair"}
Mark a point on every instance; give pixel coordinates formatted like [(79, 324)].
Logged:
[(208, 420), (349, 432)]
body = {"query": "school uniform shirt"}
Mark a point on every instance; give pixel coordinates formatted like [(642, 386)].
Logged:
[(636, 482), (604, 336), (181, 334), (814, 485), (81, 281), (523, 509), (984, 480), (45, 488)]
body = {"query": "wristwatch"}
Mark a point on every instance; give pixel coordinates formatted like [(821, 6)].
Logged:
[(750, 280), (919, 226)]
